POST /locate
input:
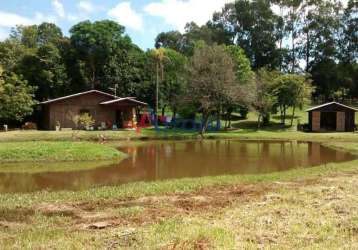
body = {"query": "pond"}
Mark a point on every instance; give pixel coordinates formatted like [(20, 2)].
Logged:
[(149, 161)]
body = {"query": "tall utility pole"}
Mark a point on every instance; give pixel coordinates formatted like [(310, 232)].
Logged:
[(157, 98)]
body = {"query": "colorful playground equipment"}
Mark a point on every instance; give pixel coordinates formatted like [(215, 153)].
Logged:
[(147, 119)]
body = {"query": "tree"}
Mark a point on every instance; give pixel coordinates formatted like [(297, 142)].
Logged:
[(16, 98), (291, 90), (244, 79), (173, 83), (26, 35), (96, 43), (264, 99), (253, 26), (212, 79), (171, 40), (45, 70), (11, 53), (241, 64), (41, 60), (349, 34), (211, 33)]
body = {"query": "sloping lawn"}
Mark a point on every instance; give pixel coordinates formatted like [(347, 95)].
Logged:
[(41, 151)]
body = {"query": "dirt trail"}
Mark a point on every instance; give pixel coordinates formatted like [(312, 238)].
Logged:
[(101, 214), (105, 213)]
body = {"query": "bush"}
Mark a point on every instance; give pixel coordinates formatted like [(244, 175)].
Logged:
[(86, 121), (187, 111), (243, 111)]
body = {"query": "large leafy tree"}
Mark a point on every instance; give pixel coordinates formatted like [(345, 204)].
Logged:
[(212, 80), (264, 97), (174, 82), (16, 98), (291, 90), (253, 26), (11, 53), (99, 45), (211, 33), (171, 40), (349, 34), (244, 79), (42, 62)]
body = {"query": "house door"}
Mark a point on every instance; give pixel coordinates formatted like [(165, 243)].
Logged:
[(328, 121), (119, 118), (316, 121), (341, 121)]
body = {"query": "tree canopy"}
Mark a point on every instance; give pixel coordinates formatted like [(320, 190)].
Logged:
[(271, 47)]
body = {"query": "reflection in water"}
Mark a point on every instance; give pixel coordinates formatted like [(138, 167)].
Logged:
[(173, 159)]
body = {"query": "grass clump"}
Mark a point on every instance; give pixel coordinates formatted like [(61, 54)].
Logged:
[(65, 151)]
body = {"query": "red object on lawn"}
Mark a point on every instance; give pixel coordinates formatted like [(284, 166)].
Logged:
[(144, 120)]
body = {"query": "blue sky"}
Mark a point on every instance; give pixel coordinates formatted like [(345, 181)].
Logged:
[(143, 19)]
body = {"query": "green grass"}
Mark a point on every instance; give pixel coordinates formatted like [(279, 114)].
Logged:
[(242, 129), (42, 151)]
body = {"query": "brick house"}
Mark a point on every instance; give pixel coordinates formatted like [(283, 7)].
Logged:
[(103, 107)]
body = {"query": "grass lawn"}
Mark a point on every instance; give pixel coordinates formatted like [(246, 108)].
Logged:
[(242, 129), (44, 151)]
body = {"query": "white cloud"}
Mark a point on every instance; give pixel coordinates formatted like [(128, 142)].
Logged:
[(8, 19), (125, 15), (86, 6), (59, 9), (179, 12)]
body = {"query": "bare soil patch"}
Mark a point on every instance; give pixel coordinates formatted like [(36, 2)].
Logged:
[(105, 214)]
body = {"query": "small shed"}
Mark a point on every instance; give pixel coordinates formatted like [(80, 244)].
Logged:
[(332, 116)]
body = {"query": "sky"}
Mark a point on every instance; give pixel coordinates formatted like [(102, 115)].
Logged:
[(143, 19)]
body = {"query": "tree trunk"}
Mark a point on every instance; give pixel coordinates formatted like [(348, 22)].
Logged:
[(307, 50), (258, 121), (218, 120), (163, 110), (284, 115), (174, 114), (93, 77), (293, 42), (204, 125), (229, 119), (293, 115)]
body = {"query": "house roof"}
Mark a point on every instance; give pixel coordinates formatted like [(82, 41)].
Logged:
[(330, 103), (78, 94), (130, 99)]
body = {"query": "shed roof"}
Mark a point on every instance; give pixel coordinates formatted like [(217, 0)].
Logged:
[(331, 103), (78, 94), (130, 99)]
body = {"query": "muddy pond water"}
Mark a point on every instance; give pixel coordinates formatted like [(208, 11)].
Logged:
[(149, 161)]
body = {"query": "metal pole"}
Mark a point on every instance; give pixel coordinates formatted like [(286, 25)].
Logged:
[(157, 98)]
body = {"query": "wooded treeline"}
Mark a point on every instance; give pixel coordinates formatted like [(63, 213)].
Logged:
[(265, 55)]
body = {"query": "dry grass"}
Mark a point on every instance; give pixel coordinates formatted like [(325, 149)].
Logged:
[(320, 213)]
